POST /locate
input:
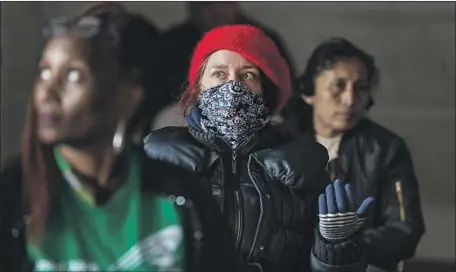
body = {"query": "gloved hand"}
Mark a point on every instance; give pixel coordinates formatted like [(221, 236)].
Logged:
[(339, 219)]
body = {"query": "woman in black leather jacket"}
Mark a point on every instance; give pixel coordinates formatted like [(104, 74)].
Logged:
[(335, 92), (265, 183), (83, 196)]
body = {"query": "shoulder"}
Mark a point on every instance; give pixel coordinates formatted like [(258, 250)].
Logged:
[(379, 143), (288, 136), (169, 134), (176, 146), (375, 128), (376, 134), (298, 161), (172, 180)]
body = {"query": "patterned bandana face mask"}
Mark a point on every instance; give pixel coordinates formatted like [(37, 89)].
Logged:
[(233, 112)]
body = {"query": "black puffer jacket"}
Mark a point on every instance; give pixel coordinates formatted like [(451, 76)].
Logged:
[(204, 229), (267, 192), (378, 163)]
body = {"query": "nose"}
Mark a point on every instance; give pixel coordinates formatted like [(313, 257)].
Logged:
[(349, 96), (234, 76), (47, 91)]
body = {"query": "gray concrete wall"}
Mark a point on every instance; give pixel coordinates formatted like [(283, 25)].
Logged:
[(414, 44)]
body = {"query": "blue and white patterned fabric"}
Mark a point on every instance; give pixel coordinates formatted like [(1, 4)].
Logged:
[(233, 112)]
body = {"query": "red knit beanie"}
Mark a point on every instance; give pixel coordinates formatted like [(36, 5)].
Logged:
[(253, 45)]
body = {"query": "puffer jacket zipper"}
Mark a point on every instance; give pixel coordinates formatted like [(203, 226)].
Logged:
[(260, 219), (237, 201)]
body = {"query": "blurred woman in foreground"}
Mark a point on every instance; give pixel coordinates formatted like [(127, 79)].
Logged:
[(82, 196)]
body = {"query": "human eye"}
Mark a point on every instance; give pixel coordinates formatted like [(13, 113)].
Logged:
[(219, 74), (338, 86), (74, 76), (248, 76), (45, 74)]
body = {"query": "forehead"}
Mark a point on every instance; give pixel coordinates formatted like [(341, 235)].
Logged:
[(226, 58), (65, 48), (351, 68)]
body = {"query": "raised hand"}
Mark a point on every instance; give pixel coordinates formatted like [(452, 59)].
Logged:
[(339, 218)]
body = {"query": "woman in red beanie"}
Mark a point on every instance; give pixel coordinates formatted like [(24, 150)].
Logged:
[(266, 183)]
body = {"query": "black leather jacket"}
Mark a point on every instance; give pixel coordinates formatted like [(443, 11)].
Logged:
[(378, 163), (205, 231), (267, 191)]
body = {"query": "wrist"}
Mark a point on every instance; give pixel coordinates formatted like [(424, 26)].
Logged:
[(338, 252)]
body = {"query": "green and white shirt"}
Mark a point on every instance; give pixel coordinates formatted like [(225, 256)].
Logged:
[(130, 232)]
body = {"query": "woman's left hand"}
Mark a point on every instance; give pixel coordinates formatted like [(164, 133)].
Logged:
[(339, 218)]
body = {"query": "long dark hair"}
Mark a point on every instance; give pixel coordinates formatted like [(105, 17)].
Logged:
[(133, 40)]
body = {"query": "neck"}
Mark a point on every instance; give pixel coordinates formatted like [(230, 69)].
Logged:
[(324, 130), (95, 162)]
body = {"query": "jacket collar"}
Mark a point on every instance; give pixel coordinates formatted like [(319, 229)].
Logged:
[(269, 137)]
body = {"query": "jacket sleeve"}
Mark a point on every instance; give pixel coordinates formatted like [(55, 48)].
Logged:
[(209, 241), (398, 212)]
